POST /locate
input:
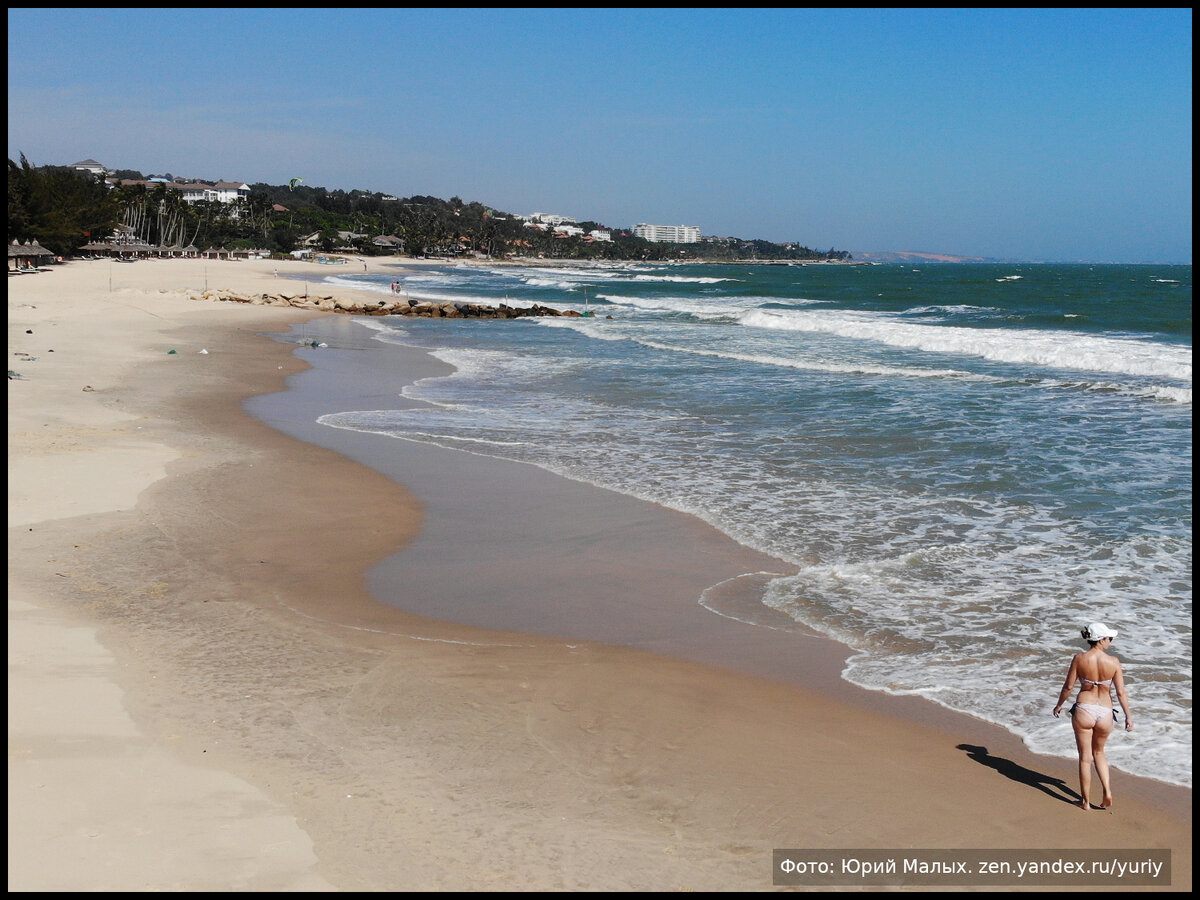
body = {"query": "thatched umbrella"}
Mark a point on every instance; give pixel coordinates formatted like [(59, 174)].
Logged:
[(37, 251), (25, 256), (17, 255)]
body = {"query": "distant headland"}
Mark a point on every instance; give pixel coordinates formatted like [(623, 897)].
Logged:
[(909, 256)]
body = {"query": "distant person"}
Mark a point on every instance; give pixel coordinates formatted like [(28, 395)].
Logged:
[(1092, 715)]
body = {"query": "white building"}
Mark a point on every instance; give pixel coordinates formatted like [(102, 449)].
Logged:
[(90, 165), (221, 192), (550, 219), (668, 234), (226, 192)]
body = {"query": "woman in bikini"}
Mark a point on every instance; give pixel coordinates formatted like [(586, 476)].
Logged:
[(1092, 716)]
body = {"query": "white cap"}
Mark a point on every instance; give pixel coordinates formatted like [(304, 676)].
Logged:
[(1098, 631)]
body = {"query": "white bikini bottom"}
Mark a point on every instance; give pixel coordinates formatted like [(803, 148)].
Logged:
[(1096, 711)]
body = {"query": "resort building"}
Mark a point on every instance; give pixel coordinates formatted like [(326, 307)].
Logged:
[(668, 234), (345, 239), (220, 192), (92, 167), (195, 191), (226, 192), (388, 242), (549, 219)]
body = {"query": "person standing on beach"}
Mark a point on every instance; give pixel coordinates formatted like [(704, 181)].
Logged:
[(1092, 715)]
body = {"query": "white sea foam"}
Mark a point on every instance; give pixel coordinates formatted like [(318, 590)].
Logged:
[(818, 365), (352, 283), (949, 309), (490, 365), (567, 275), (698, 307), (681, 279), (601, 330), (1165, 393), (441, 278), (1065, 350)]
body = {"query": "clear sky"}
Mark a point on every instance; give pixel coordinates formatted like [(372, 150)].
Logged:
[(1057, 134)]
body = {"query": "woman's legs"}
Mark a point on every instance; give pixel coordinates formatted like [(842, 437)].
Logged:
[(1083, 724), (1091, 734), (1100, 733)]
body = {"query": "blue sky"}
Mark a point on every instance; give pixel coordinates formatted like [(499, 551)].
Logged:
[(1059, 134)]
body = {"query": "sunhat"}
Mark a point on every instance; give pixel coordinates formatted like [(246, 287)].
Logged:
[(1098, 631)]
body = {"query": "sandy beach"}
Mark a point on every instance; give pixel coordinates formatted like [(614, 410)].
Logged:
[(206, 693)]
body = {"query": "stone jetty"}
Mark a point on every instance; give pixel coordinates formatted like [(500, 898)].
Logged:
[(400, 306)]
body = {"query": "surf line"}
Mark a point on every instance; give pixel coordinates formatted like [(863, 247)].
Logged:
[(400, 634), (708, 600)]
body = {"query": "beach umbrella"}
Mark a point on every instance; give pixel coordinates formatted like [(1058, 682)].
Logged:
[(27, 255), (38, 252)]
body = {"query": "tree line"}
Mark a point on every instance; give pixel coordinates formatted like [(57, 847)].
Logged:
[(65, 210)]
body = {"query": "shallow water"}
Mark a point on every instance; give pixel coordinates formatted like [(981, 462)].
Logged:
[(963, 463)]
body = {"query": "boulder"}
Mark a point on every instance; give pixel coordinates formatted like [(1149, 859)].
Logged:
[(401, 306)]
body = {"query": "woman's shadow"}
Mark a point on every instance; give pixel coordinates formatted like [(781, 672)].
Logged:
[(1054, 787)]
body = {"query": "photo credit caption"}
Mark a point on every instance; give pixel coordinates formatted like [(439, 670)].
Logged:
[(1115, 868)]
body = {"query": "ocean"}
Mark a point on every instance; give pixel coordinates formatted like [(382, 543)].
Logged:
[(961, 465)]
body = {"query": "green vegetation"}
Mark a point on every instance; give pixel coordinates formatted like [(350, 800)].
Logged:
[(65, 210), (61, 208)]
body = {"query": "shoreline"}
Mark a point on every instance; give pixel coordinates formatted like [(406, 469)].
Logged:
[(411, 752), (488, 504)]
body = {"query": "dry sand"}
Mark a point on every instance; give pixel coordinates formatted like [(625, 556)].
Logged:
[(204, 696)]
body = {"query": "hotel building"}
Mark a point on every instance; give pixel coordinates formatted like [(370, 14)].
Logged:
[(668, 234)]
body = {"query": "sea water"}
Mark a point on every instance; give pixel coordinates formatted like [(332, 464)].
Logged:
[(963, 464)]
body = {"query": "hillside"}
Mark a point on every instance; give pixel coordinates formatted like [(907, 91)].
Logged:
[(71, 211)]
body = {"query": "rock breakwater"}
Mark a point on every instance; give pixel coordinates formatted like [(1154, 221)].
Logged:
[(400, 306)]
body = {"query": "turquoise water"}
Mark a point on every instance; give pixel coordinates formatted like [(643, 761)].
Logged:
[(965, 463)]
